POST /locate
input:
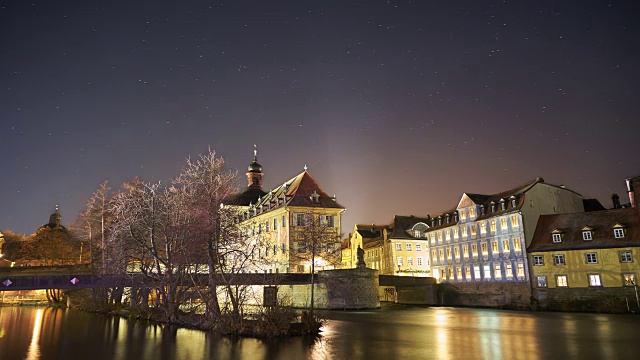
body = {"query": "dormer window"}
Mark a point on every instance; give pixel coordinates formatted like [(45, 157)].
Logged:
[(618, 231), (587, 233), (439, 220), (447, 218), (513, 201), (455, 216), (482, 210), (493, 207), (502, 204), (556, 236), (315, 197)]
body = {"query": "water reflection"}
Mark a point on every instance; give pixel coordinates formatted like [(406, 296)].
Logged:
[(34, 347), (393, 332)]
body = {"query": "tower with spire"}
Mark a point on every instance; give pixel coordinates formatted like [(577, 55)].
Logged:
[(254, 175)]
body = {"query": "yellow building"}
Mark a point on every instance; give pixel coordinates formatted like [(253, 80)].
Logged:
[(288, 224), (397, 249), (590, 255)]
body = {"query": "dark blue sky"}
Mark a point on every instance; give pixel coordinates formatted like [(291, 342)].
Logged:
[(397, 107)]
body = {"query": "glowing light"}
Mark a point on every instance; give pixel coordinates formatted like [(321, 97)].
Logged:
[(34, 346)]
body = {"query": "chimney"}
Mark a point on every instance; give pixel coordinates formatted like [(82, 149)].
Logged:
[(632, 195), (616, 201)]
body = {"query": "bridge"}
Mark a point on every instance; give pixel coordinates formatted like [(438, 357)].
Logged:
[(84, 281)]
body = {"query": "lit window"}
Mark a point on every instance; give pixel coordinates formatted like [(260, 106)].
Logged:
[(514, 221), (556, 238), (455, 233), (465, 251), (558, 260), (520, 270), (433, 255), (483, 228), (476, 272), (449, 254), (408, 246), (505, 246), (472, 212), (463, 215), (493, 226), (399, 260), (561, 281), (516, 244), (418, 247), (473, 230), (409, 261), (591, 258), (503, 223), (474, 249), (464, 231), (497, 271), (458, 273), (508, 272), (450, 273), (456, 252), (441, 252), (538, 260), (594, 280), (494, 247), (398, 247), (629, 280), (618, 233), (587, 235), (541, 281), (447, 234), (433, 239), (487, 272), (485, 248), (440, 237), (467, 273), (626, 256), (419, 261)]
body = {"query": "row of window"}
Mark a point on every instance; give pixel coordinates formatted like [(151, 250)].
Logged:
[(455, 232), (628, 279), (408, 247), (400, 261), (587, 234), (625, 256), (482, 272), (307, 220), (473, 249)]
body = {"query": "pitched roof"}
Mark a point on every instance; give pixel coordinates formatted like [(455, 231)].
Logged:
[(297, 191), (571, 225), (401, 224)]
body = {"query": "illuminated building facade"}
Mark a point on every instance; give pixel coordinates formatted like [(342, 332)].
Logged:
[(286, 222), (588, 251), (484, 238)]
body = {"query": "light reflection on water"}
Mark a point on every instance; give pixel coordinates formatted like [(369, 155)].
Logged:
[(393, 332)]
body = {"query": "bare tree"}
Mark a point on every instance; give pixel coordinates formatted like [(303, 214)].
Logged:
[(320, 247), (96, 218), (204, 185)]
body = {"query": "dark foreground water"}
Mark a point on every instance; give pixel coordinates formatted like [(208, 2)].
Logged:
[(393, 332)]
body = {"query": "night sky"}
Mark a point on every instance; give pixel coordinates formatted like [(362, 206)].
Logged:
[(397, 107)]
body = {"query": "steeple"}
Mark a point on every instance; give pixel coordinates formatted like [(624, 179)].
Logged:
[(254, 175)]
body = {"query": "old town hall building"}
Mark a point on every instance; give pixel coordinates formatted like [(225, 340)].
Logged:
[(290, 223)]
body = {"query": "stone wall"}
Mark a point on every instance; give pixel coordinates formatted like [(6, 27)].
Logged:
[(500, 295), (593, 299), (336, 289)]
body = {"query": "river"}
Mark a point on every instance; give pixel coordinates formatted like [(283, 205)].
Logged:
[(392, 332)]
